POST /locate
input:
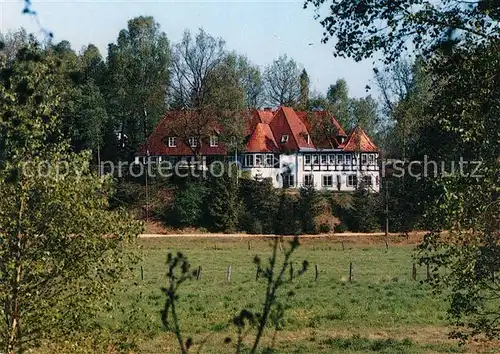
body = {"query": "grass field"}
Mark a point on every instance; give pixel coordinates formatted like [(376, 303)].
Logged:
[(382, 310)]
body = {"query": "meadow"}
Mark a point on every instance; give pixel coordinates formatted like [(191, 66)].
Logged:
[(381, 310)]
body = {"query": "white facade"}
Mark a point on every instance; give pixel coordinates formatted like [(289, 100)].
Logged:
[(334, 170)]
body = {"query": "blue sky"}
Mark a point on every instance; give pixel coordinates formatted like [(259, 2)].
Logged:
[(262, 30)]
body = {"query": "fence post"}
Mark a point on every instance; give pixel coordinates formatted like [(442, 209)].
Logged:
[(228, 275), (343, 247), (249, 246), (350, 272), (316, 273), (198, 274), (414, 272), (386, 245), (291, 270), (142, 273), (257, 273)]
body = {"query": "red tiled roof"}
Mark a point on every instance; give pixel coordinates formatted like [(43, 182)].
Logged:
[(286, 122), (264, 130), (320, 115), (262, 140), (157, 143), (359, 141)]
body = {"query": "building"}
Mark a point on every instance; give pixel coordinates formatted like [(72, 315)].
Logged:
[(291, 148)]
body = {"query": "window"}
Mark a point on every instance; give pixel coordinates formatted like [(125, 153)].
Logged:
[(288, 180), (371, 159), (284, 138), (352, 181), (171, 142), (315, 160), (269, 160), (249, 160), (339, 159), (308, 180), (348, 160), (307, 160), (323, 159), (363, 159), (331, 159), (259, 160), (367, 181), (327, 180), (192, 142), (214, 141)]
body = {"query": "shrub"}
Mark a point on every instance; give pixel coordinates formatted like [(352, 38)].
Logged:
[(188, 205), (260, 203), (287, 219)]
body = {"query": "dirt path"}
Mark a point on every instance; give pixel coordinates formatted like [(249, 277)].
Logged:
[(356, 238)]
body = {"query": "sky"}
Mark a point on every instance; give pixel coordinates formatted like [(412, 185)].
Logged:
[(262, 30)]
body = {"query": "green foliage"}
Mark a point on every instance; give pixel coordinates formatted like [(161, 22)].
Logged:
[(466, 107), (188, 204), (61, 246), (288, 215), (363, 28), (315, 212), (260, 205), (366, 211), (223, 204), (136, 81)]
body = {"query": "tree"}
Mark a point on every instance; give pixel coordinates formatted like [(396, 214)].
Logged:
[(138, 77), (206, 91), (405, 94), (252, 83), (465, 259), (12, 42), (338, 98), (60, 251), (188, 204), (282, 82), (287, 219), (260, 205), (223, 204), (364, 112), (304, 90), (363, 28)]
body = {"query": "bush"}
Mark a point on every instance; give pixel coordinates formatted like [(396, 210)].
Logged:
[(315, 212), (287, 219), (259, 203), (188, 205), (340, 228)]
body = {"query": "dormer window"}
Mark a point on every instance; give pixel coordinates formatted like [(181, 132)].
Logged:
[(171, 142), (192, 142), (214, 141), (284, 138)]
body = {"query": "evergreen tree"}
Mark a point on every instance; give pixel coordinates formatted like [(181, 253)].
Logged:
[(310, 208), (222, 203), (287, 222), (260, 205), (188, 204)]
